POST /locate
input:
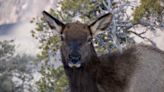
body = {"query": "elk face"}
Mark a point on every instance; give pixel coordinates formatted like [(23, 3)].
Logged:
[(76, 43), (77, 38)]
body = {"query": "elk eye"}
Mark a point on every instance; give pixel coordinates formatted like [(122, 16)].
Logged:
[(89, 39)]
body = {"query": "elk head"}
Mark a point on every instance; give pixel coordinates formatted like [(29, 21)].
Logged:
[(76, 38)]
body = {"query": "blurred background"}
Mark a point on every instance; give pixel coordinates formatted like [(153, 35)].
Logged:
[(29, 50), (15, 17)]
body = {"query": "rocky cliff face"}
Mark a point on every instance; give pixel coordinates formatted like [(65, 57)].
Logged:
[(15, 17), (21, 10)]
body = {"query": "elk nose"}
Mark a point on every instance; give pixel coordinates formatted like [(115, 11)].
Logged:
[(74, 57)]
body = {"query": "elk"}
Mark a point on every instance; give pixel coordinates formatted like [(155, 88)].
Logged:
[(139, 68)]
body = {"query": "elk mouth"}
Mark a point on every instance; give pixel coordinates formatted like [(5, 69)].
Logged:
[(74, 65), (74, 60)]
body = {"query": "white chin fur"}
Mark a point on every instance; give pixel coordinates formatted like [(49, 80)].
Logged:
[(74, 65)]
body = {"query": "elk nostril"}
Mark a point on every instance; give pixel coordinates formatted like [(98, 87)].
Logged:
[(79, 57), (74, 58), (69, 56)]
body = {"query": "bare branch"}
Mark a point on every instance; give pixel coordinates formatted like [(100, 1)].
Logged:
[(145, 38)]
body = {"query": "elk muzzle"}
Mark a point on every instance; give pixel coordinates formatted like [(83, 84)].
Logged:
[(74, 59)]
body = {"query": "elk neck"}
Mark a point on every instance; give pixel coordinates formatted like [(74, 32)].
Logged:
[(83, 79)]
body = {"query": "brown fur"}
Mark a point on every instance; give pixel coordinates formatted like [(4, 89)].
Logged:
[(108, 76), (139, 68), (107, 73)]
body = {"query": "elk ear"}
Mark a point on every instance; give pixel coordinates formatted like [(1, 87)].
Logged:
[(53, 22), (101, 24)]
